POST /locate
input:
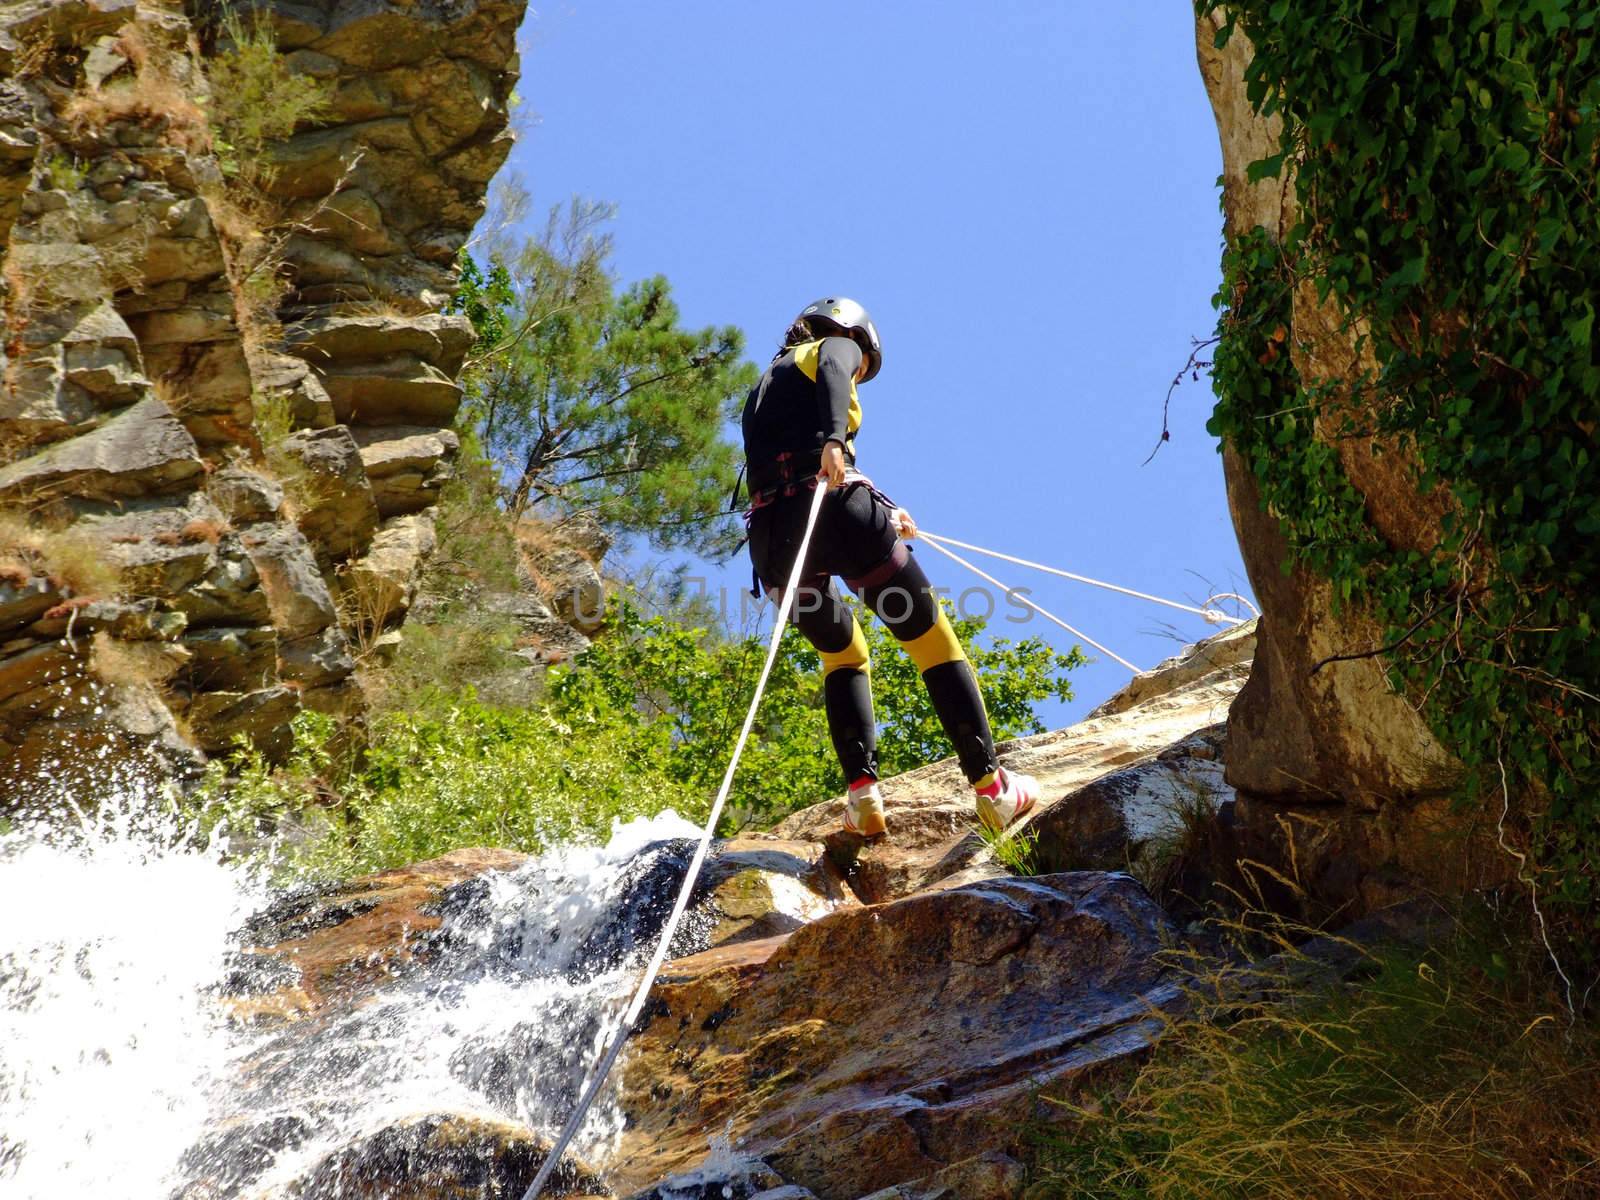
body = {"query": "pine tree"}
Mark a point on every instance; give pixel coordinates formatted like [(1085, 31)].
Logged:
[(592, 399)]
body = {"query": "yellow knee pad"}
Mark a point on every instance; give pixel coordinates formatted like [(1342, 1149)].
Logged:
[(854, 655), (938, 645)]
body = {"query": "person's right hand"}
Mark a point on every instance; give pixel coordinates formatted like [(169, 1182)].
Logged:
[(832, 464)]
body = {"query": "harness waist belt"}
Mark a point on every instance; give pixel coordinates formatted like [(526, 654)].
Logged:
[(788, 468)]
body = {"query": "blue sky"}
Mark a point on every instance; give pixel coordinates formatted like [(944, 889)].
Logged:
[(1023, 194)]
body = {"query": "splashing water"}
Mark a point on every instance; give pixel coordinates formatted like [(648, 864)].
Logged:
[(123, 1075)]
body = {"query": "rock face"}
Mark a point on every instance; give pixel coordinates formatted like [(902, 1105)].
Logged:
[(140, 357), (1342, 786), (878, 1046), (933, 837)]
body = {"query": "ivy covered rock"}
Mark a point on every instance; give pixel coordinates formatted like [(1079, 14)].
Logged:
[(1406, 380)]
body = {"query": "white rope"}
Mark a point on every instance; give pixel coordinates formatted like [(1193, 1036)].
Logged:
[(671, 927), (1210, 614), (1021, 598)]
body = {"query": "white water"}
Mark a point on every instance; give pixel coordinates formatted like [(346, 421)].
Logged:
[(123, 1078)]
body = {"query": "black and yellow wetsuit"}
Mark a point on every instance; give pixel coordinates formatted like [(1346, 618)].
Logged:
[(806, 398)]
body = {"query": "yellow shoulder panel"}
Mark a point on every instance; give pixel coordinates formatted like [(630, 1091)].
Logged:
[(805, 357)]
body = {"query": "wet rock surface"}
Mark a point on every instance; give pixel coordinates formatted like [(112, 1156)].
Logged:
[(800, 1042), (880, 1045)]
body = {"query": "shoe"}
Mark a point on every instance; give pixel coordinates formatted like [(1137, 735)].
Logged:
[(863, 811), (1007, 798)]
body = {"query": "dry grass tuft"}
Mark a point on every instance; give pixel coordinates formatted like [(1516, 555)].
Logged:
[(133, 664), (154, 97), (1449, 1073), (68, 560), (537, 542), (202, 530)]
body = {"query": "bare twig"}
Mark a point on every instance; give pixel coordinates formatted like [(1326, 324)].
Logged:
[(1192, 368)]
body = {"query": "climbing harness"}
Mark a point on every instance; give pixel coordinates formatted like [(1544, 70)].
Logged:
[(1211, 614), (785, 602)]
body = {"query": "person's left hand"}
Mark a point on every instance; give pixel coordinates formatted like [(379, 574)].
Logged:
[(903, 522)]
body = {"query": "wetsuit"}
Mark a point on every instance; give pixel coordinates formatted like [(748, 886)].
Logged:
[(806, 398)]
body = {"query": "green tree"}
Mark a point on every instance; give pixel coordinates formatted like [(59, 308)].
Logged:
[(587, 397)]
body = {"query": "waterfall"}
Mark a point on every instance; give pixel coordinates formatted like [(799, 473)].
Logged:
[(125, 1073)]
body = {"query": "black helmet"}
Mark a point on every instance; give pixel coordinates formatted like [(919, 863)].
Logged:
[(852, 321)]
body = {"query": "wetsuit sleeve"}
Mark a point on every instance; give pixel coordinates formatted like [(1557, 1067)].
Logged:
[(838, 359)]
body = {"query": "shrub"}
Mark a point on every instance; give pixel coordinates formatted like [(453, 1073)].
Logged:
[(256, 98), (456, 773)]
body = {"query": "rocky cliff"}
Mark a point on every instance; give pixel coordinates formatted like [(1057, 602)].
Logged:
[(1342, 787), (228, 384)]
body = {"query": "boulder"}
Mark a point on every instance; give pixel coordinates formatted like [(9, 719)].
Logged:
[(22, 601), (1223, 655), (435, 338), (407, 465), (1128, 819), (245, 496), (318, 950), (378, 588), (297, 384), (316, 660), (879, 1045), (402, 389), (753, 889), (445, 1155), (261, 717), (296, 592), (226, 658), (576, 590)]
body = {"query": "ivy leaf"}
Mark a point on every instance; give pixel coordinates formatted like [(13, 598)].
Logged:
[(1264, 168), (1580, 328), (1409, 275)]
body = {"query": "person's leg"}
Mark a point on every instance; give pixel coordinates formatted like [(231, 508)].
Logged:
[(892, 582), (905, 602), (828, 624)]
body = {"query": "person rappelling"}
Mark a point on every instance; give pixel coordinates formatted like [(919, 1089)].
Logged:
[(800, 423)]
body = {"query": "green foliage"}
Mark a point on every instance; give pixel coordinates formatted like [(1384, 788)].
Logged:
[(1448, 1073), (597, 399), (256, 97), (457, 640), (469, 774), (1017, 850), (248, 796), (273, 418), (682, 692), (1444, 159), (486, 299), (64, 172), (645, 720)]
